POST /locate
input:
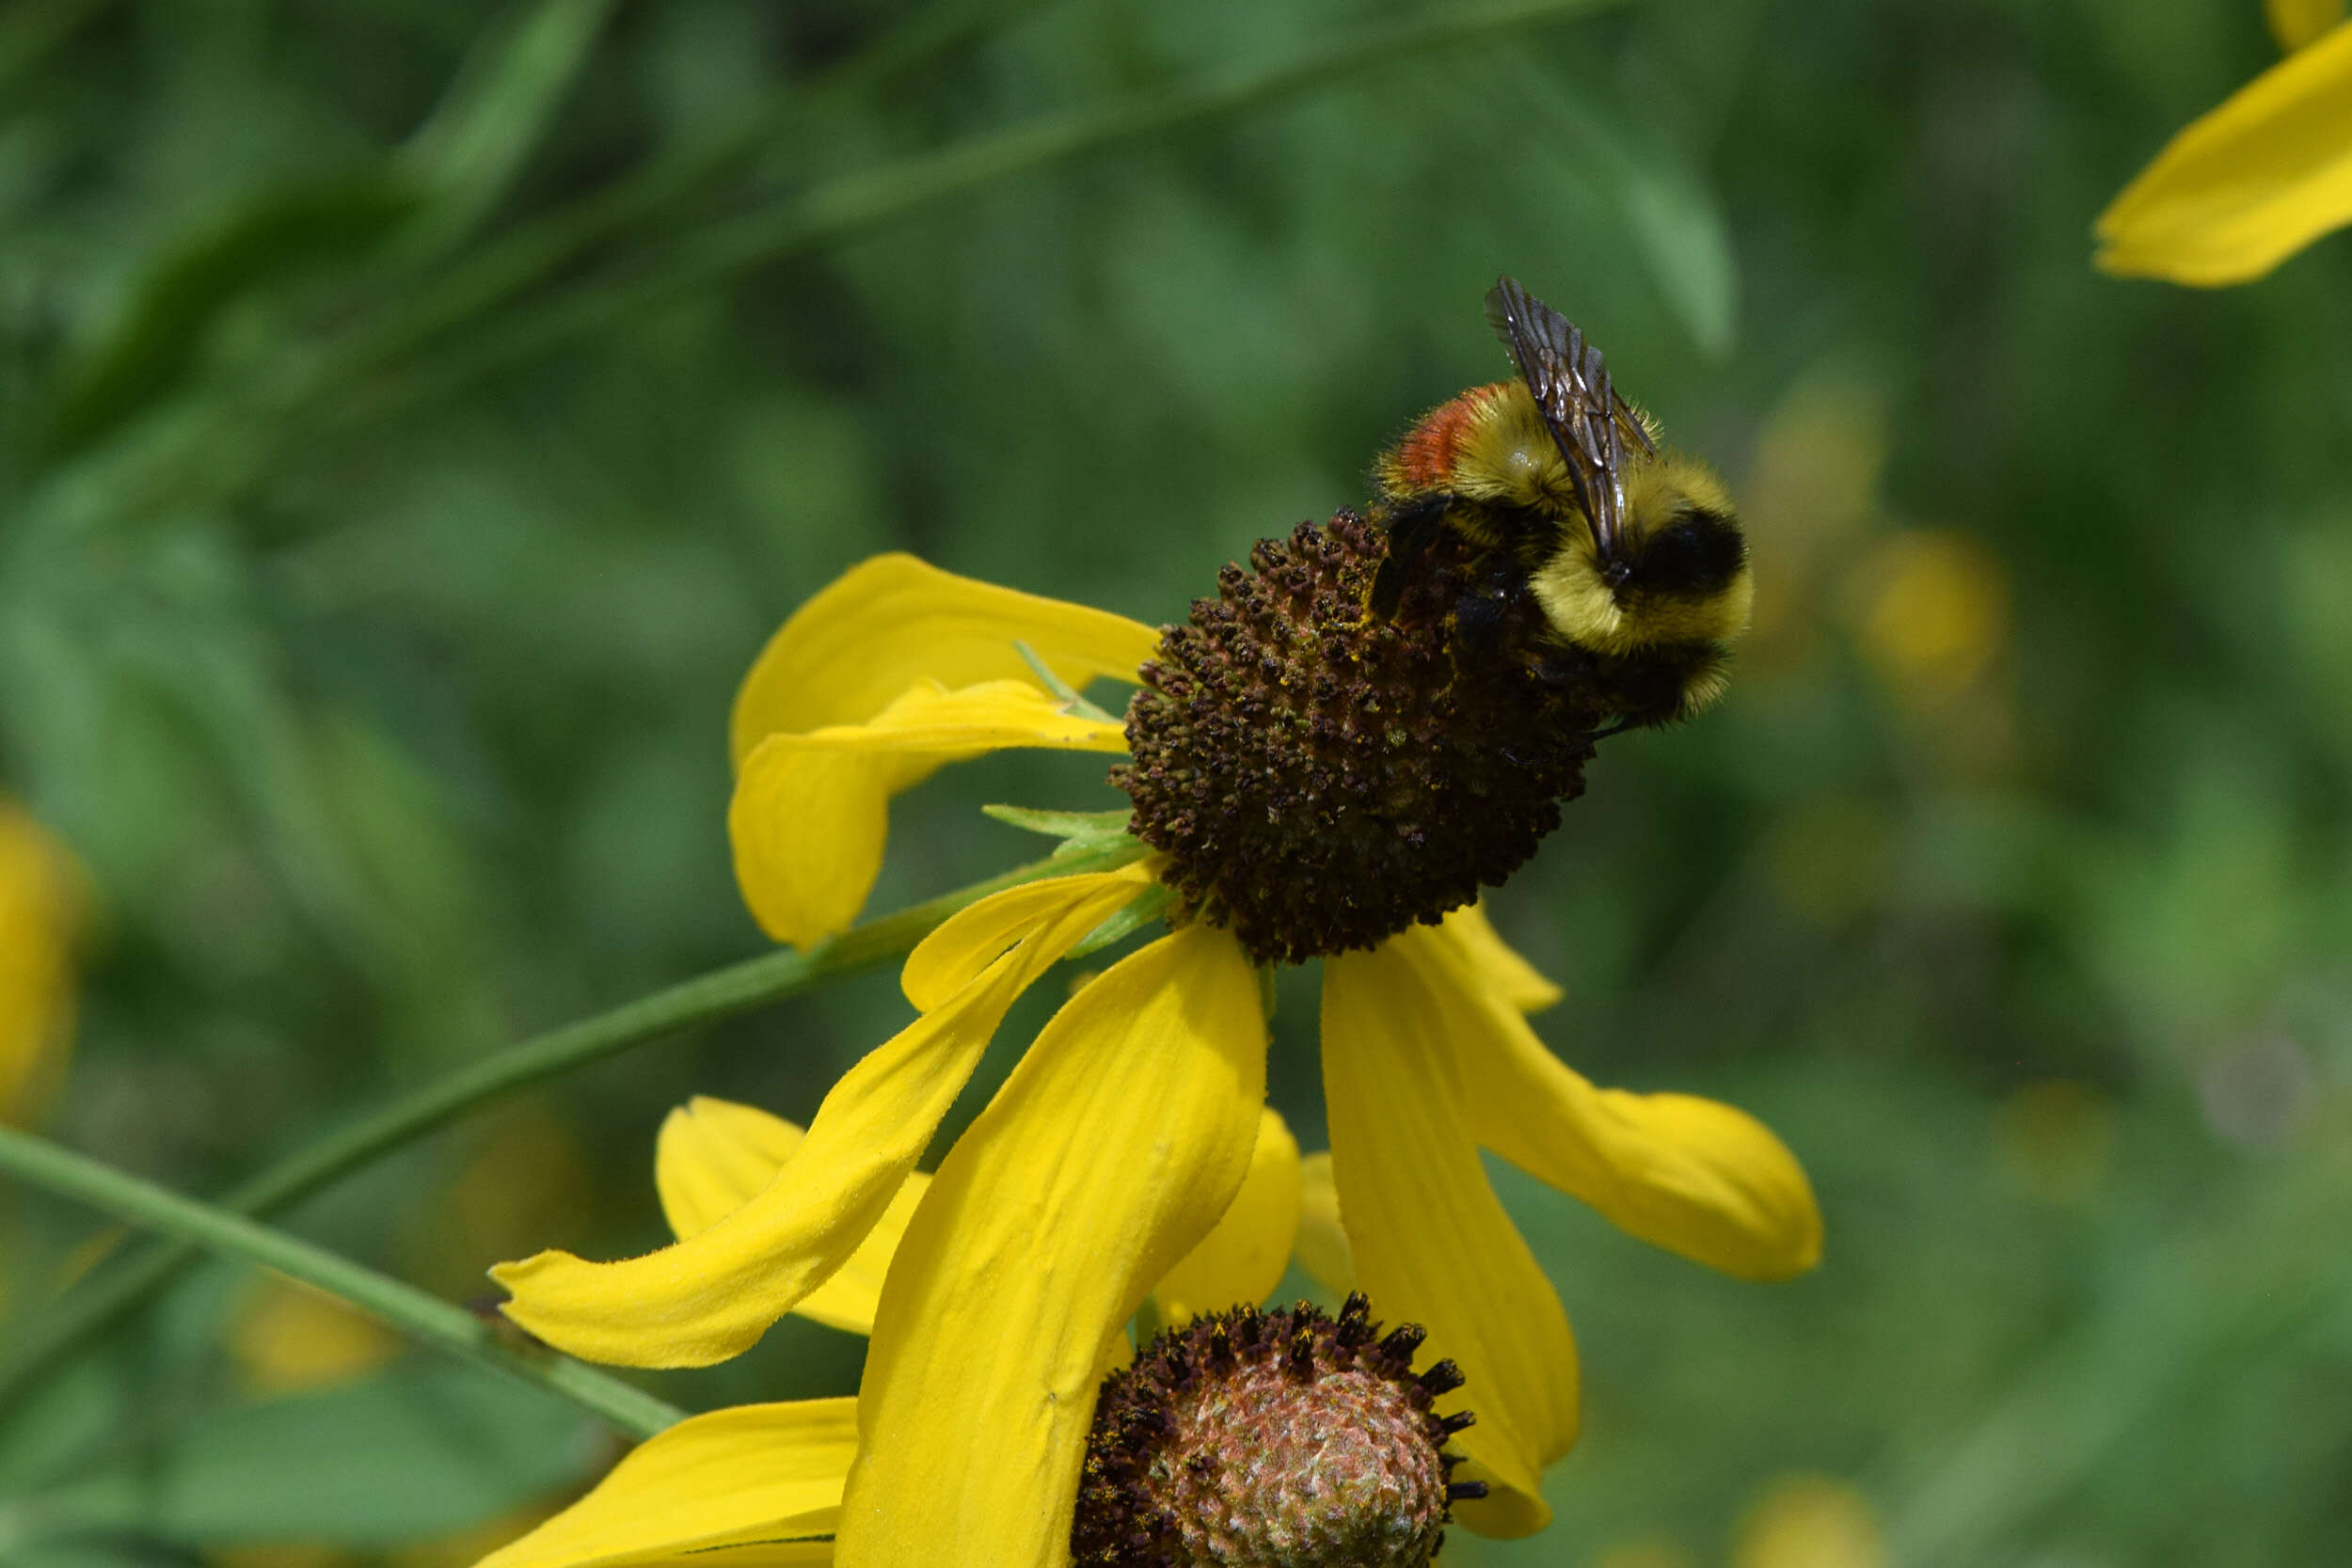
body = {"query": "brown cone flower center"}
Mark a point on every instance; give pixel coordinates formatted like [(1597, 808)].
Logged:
[(1322, 778), (1287, 1440)]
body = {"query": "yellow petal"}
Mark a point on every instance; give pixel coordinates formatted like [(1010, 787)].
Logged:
[(1497, 962), (950, 958), (715, 1155), (713, 1294), (894, 621), (2249, 184), (751, 1473), (2299, 22), (1240, 1261), (1431, 1242), (40, 911), (1118, 1141), (1322, 1240), (811, 811), (1693, 1176)]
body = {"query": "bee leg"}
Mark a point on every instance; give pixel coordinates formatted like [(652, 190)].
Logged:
[(1565, 665), (1412, 527), (1483, 617), (1478, 623)]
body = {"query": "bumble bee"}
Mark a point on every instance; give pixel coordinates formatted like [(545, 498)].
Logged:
[(1552, 488)]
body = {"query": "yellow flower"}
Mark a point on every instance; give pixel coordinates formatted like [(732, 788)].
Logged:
[(773, 1474), (287, 1337), (39, 909), (2255, 181), (1125, 1130), (1810, 1522)]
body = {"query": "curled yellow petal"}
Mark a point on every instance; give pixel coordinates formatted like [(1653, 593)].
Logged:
[(1498, 964), (894, 621), (811, 811), (1118, 1141), (1322, 1240), (765, 1473), (714, 1156), (2296, 23), (1693, 1176), (2247, 185), (950, 957), (711, 1295), (39, 912), (1431, 1242), (1240, 1261)]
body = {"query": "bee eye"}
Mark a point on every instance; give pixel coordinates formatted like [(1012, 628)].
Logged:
[(1697, 555)]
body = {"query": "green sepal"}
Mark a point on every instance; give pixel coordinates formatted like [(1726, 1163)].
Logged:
[(1062, 824), (1148, 905), (1070, 698)]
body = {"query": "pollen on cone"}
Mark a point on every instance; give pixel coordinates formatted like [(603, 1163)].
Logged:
[(1322, 778), (1286, 1439)]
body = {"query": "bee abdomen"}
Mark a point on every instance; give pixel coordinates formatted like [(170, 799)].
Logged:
[(1428, 457)]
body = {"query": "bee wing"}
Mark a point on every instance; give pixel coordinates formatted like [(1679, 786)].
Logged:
[(1593, 426)]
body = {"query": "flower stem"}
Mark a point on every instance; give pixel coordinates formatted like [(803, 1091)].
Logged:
[(706, 999), (425, 1318)]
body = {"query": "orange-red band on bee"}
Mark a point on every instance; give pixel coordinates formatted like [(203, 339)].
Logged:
[(1424, 459)]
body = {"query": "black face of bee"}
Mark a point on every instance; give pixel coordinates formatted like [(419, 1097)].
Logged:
[(1695, 556)]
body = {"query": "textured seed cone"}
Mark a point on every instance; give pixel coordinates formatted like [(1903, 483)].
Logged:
[(1322, 778), (1284, 1439)]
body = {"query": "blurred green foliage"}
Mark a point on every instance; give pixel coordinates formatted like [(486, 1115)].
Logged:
[(411, 424)]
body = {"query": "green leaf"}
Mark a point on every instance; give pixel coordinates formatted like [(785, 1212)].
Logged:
[(497, 110), (1668, 210), (156, 341)]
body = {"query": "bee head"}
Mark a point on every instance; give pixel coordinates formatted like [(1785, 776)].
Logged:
[(1678, 573)]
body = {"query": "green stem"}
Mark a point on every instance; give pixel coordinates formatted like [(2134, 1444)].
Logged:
[(707, 999), (843, 208), (426, 1318)]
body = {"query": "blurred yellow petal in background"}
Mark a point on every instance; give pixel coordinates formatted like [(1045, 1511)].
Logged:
[(287, 1337), (40, 911), (2249, 184), (2297, 23), (1809, 1522)]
